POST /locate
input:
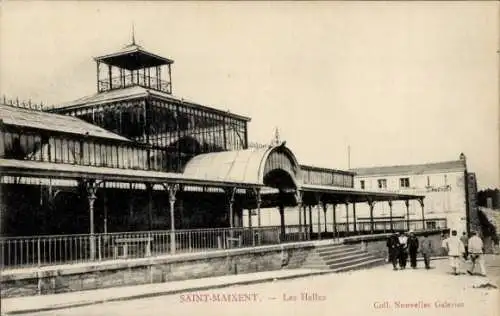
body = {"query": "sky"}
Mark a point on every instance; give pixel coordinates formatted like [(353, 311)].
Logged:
[(397, 82)]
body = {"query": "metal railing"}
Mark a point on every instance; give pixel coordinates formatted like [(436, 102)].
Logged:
[(129, 80), (23, 104), (37, 251), (385, 226)]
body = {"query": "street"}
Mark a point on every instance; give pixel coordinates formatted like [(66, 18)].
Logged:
[(378, 290)]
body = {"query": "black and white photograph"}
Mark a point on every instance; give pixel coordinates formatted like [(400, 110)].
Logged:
[(249, 158)]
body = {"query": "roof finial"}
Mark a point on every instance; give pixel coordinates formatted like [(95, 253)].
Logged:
[(276, 141), (133, 34)]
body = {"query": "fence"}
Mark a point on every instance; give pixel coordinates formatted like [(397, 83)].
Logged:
[(36, 251), (129, 80), (364, 227)]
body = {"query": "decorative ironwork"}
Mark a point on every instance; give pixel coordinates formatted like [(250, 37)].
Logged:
[(64, 249), (120, 82), (23, 104)]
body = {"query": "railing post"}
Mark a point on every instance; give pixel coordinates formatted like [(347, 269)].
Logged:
[(148, 245), (39, 252), (189, 241), (99, 247)]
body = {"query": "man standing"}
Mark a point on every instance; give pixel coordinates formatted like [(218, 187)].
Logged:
[(413, 248), (444, 244), (476, 247), (393, 248), (465, 241), (403, 250), (456, 250), (426, 249)]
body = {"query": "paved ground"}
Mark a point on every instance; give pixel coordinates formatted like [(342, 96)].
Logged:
[(378, 291)]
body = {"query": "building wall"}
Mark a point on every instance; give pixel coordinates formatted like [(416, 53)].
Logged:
[(95, 275), (444, 193)]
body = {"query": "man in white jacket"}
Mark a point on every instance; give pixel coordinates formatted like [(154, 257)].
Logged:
[(476, 246), (456, 250)]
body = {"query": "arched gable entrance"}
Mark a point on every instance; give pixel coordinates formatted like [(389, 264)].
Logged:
[(274, 166), (281, 169)]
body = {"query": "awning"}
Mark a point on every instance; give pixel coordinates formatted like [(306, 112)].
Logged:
[(25, 168), (340, 194)]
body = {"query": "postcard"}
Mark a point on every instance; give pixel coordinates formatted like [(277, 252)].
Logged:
[(250, 158)]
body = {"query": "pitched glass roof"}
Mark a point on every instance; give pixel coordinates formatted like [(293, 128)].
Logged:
[(137, 92), (11, 115)]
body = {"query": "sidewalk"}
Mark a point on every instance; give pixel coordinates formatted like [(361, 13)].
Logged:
[(31, 304), (41, 303)]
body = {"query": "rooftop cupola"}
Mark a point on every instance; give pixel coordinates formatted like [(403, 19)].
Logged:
[(132, 66)]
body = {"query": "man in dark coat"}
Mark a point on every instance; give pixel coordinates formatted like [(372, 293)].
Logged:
[(426, 249), (413, 248), (393, 247)]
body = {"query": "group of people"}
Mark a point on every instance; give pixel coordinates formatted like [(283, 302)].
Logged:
[(464, 248), (401, 246)]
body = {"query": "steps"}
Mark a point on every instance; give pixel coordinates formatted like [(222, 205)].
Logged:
[(340, 258)]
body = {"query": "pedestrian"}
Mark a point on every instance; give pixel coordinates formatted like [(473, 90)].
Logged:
[(403, 250), (444, 244), (464, 239), (412, 249), (426, 249), (456, 250), (393, 248), (476, 250)]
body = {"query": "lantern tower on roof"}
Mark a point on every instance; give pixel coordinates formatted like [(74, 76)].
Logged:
[(134, 66)]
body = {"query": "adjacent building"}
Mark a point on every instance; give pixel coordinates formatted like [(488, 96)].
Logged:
[(449, 190)]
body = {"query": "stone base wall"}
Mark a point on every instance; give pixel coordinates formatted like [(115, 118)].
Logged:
[(377, 244), (90, 276)]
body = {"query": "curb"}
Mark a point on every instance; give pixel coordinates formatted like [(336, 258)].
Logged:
[(163, 293)]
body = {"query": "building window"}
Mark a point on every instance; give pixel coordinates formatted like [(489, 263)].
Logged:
[(382, 183), (404, 182), (431, 225), (362, 184)]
